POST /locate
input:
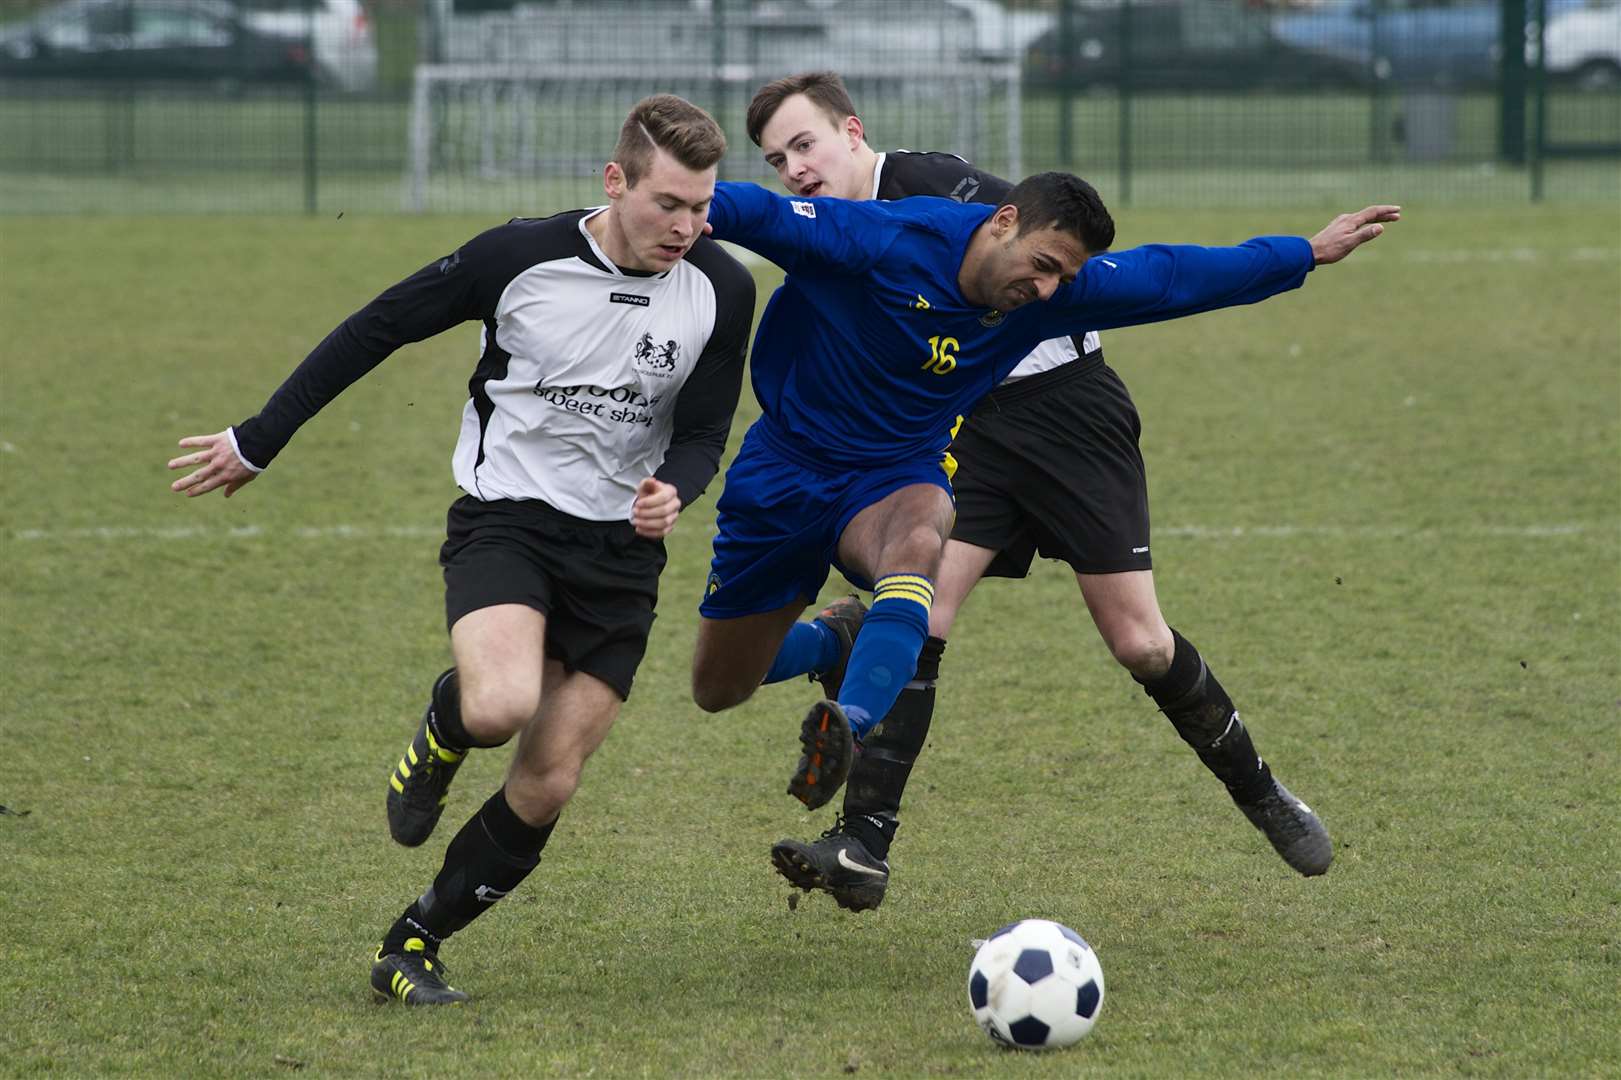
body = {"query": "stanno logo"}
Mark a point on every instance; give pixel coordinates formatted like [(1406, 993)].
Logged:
[(627, 298), (803, 209), (487, 894), (966, 189), (920, 304)]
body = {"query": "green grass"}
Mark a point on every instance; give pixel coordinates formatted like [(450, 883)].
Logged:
[(1388, 509)]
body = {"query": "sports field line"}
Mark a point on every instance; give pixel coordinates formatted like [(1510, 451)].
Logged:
[(143, 533)]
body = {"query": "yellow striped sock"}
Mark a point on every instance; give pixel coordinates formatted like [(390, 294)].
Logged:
[(914, 587)]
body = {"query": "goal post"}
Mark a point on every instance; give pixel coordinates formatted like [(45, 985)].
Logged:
[(491, 135)]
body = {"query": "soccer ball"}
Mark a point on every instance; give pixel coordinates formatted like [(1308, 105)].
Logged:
[(1035, 985)]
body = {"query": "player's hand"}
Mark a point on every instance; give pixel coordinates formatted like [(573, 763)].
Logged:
[(654, 511), (219, 466), (1348, 232)]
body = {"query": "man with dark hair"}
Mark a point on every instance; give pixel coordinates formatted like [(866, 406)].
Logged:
[(896, 318), (1050, 463), (575, 459)]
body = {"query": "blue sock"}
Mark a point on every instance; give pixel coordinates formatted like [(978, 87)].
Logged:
[(886, 651), (809, 646)]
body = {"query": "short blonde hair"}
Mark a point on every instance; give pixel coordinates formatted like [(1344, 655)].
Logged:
[(674, 125)]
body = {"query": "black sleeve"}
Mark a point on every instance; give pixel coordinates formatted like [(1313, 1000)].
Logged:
[(461, 286), (706, 402), (945, 175)]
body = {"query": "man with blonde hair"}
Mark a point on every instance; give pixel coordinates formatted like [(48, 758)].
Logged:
[(612, 357)]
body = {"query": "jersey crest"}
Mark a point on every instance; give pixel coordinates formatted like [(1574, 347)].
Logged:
[(655, 359)]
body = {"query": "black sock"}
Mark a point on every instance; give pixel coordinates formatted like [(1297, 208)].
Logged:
[(1202, 713), (872, 794), (491, 855), (445, 715)]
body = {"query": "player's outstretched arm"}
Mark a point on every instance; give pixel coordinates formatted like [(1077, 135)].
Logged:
[(1348, 232), (825, 234), (655, 510), (445, 293), (215, 464)]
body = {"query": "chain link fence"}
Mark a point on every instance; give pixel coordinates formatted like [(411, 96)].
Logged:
[(376, 106)]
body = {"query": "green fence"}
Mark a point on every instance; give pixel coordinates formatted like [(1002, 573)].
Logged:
[(378, 106)]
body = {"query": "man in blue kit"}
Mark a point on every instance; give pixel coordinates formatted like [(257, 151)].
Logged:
[(894, 319)]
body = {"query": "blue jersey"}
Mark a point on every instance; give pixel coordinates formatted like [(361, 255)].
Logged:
[(868, 352)]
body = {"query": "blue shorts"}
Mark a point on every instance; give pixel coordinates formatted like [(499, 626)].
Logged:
[(779, 522)]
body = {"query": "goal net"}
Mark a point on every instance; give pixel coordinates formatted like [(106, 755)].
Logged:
[(518, 120)]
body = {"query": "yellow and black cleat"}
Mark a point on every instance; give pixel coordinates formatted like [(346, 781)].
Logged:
[(414, 976), (419, 786)]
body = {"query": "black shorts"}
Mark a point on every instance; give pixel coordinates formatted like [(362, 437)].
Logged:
[(1050, 464), (596, 582)]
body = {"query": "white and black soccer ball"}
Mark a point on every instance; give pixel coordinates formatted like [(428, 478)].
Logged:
[(1035, 985)]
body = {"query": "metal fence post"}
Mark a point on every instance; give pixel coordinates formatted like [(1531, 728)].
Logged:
[(1511, 84), (311, 104), (1539, 97), (1066, 82), (1378, 102), (717, 54), (1125, 102)]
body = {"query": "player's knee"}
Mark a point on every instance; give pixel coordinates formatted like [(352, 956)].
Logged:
[(1143, 650), (714, 695), (498, 712), (917, 551), (718, 698), (928, 543), (539, 796)]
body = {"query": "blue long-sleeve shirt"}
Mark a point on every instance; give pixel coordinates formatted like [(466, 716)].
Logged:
[(868, 352)]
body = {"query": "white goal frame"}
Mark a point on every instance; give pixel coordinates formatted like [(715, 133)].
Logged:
[(493, 115)]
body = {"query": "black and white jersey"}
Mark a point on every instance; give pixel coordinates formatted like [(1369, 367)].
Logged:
[(590, 378), (900, 173)]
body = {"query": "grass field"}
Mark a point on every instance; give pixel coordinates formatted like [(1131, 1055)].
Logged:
[(1387, 507)]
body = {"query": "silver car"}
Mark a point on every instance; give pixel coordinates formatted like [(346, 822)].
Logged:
[(340, 33)]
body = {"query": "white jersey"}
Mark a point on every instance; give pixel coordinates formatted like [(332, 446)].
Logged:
[(590, 378)]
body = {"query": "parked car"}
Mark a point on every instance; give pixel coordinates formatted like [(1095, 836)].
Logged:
[(340, 32), (149, 39), (1001, 34), (1166, 45), (1438, 44), (1583, 45)]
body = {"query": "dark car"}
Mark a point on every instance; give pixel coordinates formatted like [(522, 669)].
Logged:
[(1433, 44), (1168, 45), (148, 39)]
